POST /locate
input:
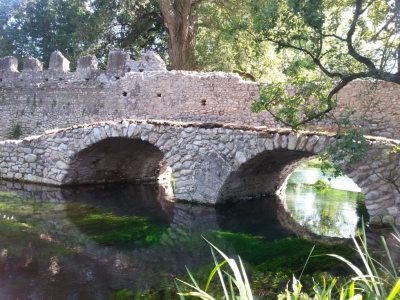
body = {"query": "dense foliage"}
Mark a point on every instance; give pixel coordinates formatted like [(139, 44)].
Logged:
[(79, 27), (335, 43)]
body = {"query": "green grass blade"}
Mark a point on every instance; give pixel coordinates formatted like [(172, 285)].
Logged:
[(231, 287), (364, 254), (203, 294), (246, 282), (395, 229), (219, 275), (343, 294), (393, 275), (396, 237), (197, 294), (395, 291), (179, 291), (236, 272), (331, 286), (309, 255), (191, 277), (352, 289), (353, 267), (210, 277)]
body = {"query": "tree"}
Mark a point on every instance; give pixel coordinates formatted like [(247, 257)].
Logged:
[(336, 42), (227, 43), (37, 28), (78, 27), (134, 26), (181, 23)]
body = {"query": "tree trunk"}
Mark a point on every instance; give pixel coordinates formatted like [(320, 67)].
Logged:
[(182, 29)]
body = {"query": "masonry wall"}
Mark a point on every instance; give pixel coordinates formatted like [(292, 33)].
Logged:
[(39, 100), (182, 96), (376, 106)]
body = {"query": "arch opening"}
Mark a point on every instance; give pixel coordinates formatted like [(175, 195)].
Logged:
[(263, 174), (325, 205), (118, 160)]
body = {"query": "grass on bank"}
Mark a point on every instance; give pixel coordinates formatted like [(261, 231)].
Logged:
[(372, 280)]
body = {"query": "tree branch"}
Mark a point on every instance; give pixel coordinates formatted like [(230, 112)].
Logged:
[(349, 39), (383, 28), (305, 51)]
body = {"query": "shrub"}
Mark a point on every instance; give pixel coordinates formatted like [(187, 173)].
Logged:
[(15, 131)]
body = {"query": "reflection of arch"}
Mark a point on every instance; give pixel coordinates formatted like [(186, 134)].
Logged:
[(261, 215), (116, 159), (263, 174), (286, 219)]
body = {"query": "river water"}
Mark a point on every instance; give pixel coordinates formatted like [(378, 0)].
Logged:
[(326, 212), (89, 242)]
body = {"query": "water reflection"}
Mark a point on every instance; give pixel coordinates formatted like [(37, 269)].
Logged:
[(329, 212), (49, 248), (306, 175)]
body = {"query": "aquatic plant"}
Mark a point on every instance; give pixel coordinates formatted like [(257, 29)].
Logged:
[(107, 228), (321, 185), (373, 279), (123, 294), (285, 256)]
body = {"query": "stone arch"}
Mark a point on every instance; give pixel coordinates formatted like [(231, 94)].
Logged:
[(116, 159), (107, 152), (265, 173)]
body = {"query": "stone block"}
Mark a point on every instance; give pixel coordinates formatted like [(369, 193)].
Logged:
[(320, 144), (387, 220), (58, 63), (149, 61), (153, 137), (302, 142), (284, 141), (277, 141), (269, 144), (117, 63), (9, 63), (31, 64), (311, 142), (86, 64), (240, 157), (30, 158), (375, 221), (292, 141)]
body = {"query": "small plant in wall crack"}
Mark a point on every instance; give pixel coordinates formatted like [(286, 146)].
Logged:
[(15, 131)]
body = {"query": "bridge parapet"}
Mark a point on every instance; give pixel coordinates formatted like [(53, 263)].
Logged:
[(212, 163)]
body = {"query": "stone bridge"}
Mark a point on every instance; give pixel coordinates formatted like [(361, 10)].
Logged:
[(212, 163)]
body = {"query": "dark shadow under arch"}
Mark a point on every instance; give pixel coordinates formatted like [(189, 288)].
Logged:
[(117, 160), (263, 174)]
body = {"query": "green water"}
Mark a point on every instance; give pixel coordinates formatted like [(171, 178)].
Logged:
[(88, 243)]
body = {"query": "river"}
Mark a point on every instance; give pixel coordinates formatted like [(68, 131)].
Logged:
[(89, 242)]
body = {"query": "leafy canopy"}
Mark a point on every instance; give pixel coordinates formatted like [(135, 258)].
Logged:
[(335, 43)]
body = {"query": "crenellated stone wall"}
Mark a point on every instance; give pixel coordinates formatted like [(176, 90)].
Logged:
[(38, 100)]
